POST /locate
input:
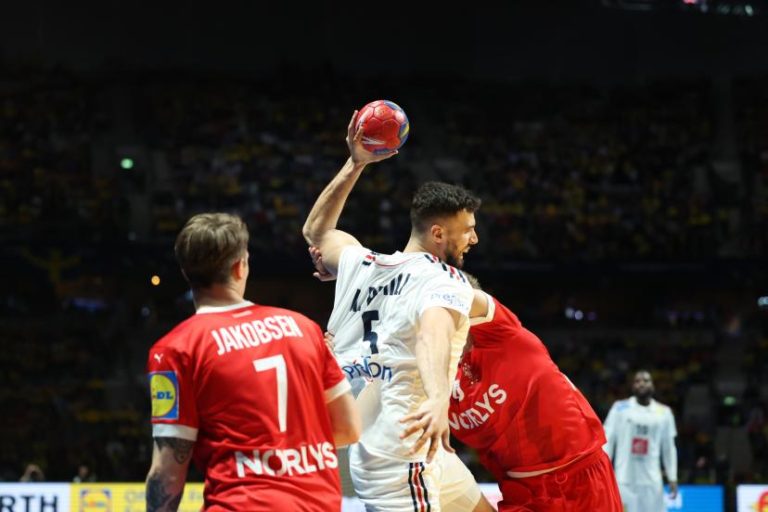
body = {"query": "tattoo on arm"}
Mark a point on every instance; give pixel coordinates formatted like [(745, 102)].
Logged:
[(158, 498), (182, 448)]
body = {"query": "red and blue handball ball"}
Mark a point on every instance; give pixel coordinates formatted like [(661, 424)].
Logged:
[(385, 126)]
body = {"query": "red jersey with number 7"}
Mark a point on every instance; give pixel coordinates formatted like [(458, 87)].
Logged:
[(249, 384), (511, 402)]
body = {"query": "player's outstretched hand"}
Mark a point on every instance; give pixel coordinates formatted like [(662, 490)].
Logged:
[(328, 337), (431, 419), (320, 272), (357, 152)]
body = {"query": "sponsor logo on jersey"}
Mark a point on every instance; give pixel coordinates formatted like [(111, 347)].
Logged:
[(367, 370), (639, 446), (394, 287), (92, 500), (164, 388), (287, 461), (479, 412), (449, 299)]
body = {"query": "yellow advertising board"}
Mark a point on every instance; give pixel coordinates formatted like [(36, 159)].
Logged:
[(125, 498)]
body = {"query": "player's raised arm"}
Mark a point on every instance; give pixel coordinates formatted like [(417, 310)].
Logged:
[(168, 473), (320, 227)]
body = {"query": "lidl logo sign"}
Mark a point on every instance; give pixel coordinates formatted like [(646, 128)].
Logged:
[(164, 389)]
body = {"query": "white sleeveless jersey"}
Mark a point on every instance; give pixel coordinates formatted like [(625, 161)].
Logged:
[(375, 321)]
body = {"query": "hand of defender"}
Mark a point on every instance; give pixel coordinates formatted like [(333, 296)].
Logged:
[(357, 152), (320, 272), (431, 419), (328, 338)]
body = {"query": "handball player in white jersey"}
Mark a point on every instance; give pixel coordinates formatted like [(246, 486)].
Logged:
[(641, 434), (399, 323)]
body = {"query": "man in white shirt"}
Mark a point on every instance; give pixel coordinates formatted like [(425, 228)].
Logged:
[(641, 433), (400, 322)]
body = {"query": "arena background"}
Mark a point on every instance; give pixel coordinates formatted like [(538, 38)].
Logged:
[(620, 147)]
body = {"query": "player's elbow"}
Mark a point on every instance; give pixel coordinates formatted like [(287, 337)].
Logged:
[(345, 420), (348, 433), (308, 233), (312, 231)]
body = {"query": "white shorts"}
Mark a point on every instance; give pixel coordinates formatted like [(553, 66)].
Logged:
[(384, 484), (642, 498)]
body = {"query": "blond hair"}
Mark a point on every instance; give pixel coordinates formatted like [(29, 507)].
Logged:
[(207, 247)]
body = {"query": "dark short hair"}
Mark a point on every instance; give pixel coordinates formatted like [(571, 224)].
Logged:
[(207, 247), (473, 280), (436, 199)]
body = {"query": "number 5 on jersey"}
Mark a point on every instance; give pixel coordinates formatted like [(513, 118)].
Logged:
[(277, 363), (368, 334)]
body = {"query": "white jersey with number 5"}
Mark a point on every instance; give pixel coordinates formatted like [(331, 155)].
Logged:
[(639, 438), (376, 315)]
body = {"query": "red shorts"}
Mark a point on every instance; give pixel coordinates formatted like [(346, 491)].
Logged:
[(587, 484)]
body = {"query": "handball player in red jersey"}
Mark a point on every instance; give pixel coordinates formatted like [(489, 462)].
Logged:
[(250, 392), (530, 426)]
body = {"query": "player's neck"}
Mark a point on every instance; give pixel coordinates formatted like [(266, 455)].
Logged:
[(645, 401), (416, 245), (216, 296)]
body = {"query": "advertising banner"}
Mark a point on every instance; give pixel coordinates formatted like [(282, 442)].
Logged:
[(29, 497), (752, 498), (696, 498), (129, 497), (125, 498)]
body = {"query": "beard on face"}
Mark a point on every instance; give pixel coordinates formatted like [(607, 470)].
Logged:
[(644, 393), (453, 257)]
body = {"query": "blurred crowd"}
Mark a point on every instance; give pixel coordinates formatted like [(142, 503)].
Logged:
[(97, 176)]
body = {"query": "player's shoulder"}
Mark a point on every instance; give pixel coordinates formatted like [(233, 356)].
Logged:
[(433, 269), (179, 338), (662, 408), (622, 405), (266, 311), (357, 255)]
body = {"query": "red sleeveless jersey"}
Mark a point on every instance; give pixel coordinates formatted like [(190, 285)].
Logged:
[(513, 405)]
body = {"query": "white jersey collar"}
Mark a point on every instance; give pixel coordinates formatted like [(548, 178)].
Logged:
[(221, 309)]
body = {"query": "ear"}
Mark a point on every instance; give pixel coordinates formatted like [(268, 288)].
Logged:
[(437, 233), (239, 268)]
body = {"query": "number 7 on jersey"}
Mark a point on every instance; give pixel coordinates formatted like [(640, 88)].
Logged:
[(277, 363)]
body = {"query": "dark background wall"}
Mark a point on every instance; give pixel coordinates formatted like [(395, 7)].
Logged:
[(519, 39)]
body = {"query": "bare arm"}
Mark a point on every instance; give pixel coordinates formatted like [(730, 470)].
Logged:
[(433, 346), (610, 433), (345, 420), (669, 453), (320, 227), (168, 473), (479, 305)]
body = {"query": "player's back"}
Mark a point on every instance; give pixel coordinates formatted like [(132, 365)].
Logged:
[(251, 382), (375, 322), (513, 404)]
